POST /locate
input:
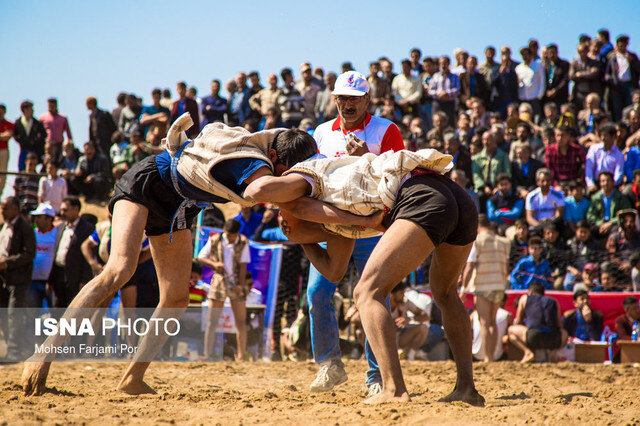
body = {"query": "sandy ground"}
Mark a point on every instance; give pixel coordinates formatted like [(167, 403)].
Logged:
[(276, 393)]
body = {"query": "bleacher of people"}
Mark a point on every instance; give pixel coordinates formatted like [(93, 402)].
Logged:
[(547, 146)]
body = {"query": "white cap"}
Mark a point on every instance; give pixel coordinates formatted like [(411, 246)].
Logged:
[(44, 208), (351, 83)]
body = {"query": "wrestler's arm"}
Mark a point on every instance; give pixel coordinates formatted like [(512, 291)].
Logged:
[(290, 193), (331, 262)]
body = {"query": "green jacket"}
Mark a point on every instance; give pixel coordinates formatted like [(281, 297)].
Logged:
[(480, 167), (595, 214)]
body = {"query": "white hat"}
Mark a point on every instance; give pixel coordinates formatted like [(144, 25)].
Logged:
[(44, 208), (351, 83)]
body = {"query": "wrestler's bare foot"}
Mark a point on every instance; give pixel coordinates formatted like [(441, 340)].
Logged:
[(34, 377), (468, 395), (387, 396), (132, 386), (528, 357)]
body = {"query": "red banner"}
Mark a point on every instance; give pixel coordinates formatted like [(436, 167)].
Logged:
[(610, 304)]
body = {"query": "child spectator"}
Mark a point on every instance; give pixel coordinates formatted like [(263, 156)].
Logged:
[(608, 281), (505, 206), (532, 268), (519, 247), (26, 187), (198, 289), (575, 205), (52, 188), (555, 251), (582, 250), (582, 322)]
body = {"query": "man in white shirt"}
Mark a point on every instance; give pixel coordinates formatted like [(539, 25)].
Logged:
[(227, 254), (544, 202), (46, 235), (531, 83)]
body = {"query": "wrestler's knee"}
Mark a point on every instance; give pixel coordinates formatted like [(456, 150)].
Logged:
[(366, 292), (117, 273)]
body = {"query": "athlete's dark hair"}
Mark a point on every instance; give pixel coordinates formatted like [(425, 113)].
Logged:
[(294, 146)]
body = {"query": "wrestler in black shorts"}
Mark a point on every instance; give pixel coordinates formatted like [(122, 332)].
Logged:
[(440, 206)]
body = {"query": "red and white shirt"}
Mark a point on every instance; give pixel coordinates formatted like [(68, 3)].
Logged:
[(380, 134)]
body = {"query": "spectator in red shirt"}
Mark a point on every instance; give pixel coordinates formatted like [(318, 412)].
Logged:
[(565, 159), (624, 322), (6, 133)]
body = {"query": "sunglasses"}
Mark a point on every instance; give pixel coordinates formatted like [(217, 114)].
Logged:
[(343, 99)]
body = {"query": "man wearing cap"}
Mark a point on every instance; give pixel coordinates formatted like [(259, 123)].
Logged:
[(621, 76), (354, 132), (46, 235)]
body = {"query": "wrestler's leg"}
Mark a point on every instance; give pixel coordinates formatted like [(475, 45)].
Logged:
[(446, 266), (173, 265), (128, 221), (400, 250)]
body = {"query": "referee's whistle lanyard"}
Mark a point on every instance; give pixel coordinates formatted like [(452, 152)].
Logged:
[(180, 214)]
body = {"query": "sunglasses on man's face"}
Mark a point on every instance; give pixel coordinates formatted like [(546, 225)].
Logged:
[(343, 99)]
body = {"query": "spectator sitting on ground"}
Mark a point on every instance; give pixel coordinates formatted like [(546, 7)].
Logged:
[(605, 205), (411, 322), (583, 323), (538, 324), (524, 169), (532, 268), (624, 323), (91, 177), (519, 242), (26, 186), (52, 188), (505, 206), (544, 202), (575, 205), (582, 250)]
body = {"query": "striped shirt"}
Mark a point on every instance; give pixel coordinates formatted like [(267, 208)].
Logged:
[(490, 252), (449, 83)]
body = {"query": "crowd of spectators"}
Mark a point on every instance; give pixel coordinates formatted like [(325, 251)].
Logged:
[(547, 147)]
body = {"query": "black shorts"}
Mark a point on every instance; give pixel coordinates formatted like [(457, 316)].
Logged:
[(143, 185), (442, 208), (538, 339)]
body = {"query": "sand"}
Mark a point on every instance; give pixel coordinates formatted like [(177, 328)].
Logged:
[(276, 393)]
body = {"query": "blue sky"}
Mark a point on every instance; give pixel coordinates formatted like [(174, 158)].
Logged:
[(74, 49)]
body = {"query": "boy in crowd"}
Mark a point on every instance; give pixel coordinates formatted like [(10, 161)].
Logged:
[(532, 268), (555, 251), (52, 188), (519, 242), (26, 187), (583, 322), (575, 205), (582, 250), (227, 254)]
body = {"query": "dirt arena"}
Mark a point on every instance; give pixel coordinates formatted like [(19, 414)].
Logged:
[(276, 393)]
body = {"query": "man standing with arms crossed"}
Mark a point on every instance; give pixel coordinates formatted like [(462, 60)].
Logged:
[(354, 132)]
